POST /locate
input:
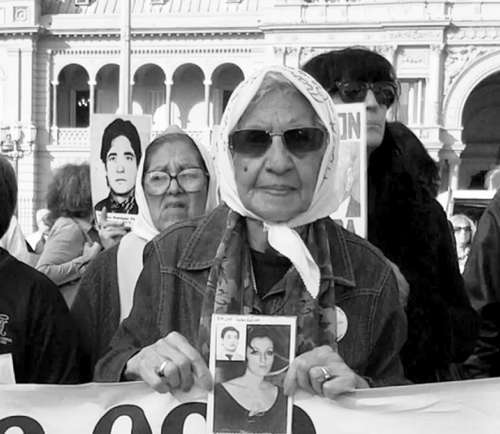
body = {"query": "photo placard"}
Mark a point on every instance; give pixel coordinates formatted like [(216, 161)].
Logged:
[(250, 357)]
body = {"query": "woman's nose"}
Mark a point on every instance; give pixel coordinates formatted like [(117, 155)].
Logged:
[(278, 156), (174, 187), (370, 100)]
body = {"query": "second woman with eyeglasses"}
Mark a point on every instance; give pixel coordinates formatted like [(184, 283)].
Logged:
[(404, 219), (175, 181)]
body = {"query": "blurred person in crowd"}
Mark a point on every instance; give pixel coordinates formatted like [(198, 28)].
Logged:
[(14, 242), (251, 402), (120, 154), (265, 251), (464, 230), (482, 281), (36, 240), (404, 219), (72, 241), (175, 181), (35, 326)]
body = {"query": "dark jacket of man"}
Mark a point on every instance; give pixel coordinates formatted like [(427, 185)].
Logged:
[(482, 281), (411, 229), (35, 325)]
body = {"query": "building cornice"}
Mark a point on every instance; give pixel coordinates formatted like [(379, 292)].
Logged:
[(152, 50)]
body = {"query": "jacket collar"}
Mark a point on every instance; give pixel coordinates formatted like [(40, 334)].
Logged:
[(202, 246), (204, 241)]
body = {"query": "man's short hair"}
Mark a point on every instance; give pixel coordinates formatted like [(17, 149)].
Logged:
[(118, 128), (229, 329), (8, 194)]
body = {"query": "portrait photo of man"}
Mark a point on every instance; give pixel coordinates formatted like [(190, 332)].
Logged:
[(229, 342), (120, 153)]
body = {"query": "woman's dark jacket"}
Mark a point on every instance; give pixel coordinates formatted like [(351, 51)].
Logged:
[(411, 229)]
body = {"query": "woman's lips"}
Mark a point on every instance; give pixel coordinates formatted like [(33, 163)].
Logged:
[(175, 205), (277, 190)]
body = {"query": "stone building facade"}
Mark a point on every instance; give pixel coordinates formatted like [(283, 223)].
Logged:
[(61, 60)]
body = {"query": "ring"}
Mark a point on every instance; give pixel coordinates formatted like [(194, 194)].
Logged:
[(326, 375), (161, 368)]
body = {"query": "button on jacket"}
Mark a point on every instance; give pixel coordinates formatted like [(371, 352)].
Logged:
[(171, 287)]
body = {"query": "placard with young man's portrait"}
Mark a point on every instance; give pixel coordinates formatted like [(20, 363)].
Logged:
[(116, 146)]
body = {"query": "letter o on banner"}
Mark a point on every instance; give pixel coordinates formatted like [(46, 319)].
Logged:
[(27, 424), (301, 422), (140, 424), (174, 422)]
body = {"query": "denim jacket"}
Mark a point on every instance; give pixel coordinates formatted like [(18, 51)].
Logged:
[(170, 289)]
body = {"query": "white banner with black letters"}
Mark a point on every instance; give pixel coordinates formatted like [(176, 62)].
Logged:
[(445, 408)]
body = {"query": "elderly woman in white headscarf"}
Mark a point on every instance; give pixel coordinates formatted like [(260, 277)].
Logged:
[(269, 249), (175, 181)]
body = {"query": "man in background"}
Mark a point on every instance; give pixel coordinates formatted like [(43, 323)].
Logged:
[(38, 342)]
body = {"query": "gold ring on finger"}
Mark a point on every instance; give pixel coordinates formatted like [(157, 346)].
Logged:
[(326, 374), (161, 369)]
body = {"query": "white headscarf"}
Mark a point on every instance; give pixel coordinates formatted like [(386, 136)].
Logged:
[(328, 192), (129, 258)]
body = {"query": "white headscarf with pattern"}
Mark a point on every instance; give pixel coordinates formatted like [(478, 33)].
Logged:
[(328, 192)]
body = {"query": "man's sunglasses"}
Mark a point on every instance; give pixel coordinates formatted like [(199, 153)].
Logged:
[(255, 143), (355, 91)]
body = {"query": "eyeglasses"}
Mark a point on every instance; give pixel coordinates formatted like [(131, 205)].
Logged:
[(255, 143), (355, 91), (462, 228), (190, 180)]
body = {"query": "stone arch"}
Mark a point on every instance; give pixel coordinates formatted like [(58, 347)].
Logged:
[(107, 88), (188, 97), (225, 78), (480, 134), (148, 93), (73, 96), (462, 87)]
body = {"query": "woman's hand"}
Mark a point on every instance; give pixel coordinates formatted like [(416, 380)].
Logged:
[(90, 251), (322, 371), (110, 233), (168, 364)]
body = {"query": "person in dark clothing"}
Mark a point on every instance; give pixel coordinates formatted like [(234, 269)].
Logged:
[(482, 282), (35, 324), (404, 219)]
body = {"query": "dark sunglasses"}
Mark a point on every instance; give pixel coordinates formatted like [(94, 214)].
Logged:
[(255, 142), (355, 91)]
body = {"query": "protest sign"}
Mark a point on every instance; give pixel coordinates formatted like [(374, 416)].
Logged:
[(248, 395), (445, 408), (352, 211), (116, 146)]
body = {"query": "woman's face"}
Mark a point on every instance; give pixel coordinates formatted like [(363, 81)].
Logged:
[(175, 204), (463, 233), (375, 118), (260, 356), (277, 185)]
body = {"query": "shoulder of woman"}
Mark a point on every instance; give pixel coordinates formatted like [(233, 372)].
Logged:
[(211, 224)]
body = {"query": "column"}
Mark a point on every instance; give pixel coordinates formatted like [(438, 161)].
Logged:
[(168, 97), (92, 84), (54, 111), (208, 84), (26, 89), (14, 84), (433, 92), (124, 101)]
